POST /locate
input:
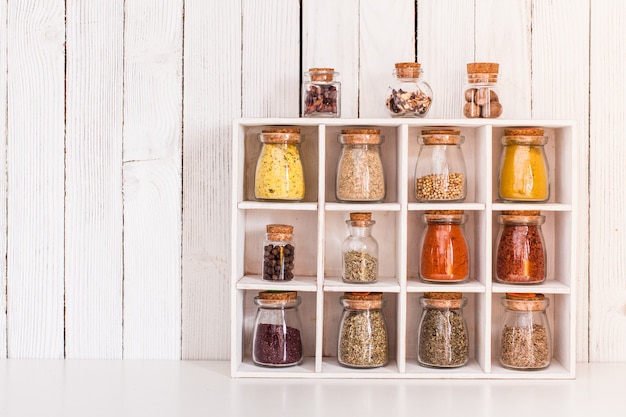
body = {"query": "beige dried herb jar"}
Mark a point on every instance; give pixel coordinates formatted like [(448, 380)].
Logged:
[(321, 93), (360, 170), (409, 95), (480, 94), (525, 339), (359, 251)]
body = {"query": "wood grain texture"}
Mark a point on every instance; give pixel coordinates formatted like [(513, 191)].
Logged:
[(93, 213), (558, 50), (35, 159), (212, 33), (152, 182), (3, 179)]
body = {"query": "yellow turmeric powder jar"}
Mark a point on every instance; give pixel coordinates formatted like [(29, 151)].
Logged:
[(524, 174), (279, 173)]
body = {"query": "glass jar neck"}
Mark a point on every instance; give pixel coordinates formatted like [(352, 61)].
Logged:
[(360, 231)]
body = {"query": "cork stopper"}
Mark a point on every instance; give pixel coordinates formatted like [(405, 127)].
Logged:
[(361, 136), (279, 232), (407, 69), (523, 131), (524, 136), (321, 74), (280, 135), (482, 72), (443, 299), (444, 216), (522, 212), (522, 217), (441, 137), (277, 297), (363, 300), (525, 301), (361, 219)]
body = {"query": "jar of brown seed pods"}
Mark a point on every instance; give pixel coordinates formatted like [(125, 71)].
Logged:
[(409, 95), (321, 93), (480, 94)]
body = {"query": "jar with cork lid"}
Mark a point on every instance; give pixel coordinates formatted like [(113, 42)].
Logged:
[(524, 174), (277, 338), (409, 95), (440, 168), (525, 339), (278, 253), (321, 93), (481, 91), (360, 171), (279, 172), (360, 251)]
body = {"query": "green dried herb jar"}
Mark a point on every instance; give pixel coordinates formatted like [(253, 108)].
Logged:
[(359, 251)]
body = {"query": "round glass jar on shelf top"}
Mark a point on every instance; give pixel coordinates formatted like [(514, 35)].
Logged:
[(524, 174), (525, 339), (480, 94), (444, 252), (321, 93), (278, 253), (409, 95), (363, 339), (521, 255), (360, 251), (277, 340), (360, 172), (443, 340), (440, 173), (279, 173)]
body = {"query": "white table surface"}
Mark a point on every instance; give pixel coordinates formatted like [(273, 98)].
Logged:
[(90, 388)]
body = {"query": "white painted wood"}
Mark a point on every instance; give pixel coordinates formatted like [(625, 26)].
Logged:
[(212, 33), (35, 159), (93, 212), (152, 179), (3, 184)]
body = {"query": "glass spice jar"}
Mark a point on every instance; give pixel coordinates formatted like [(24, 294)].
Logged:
[(409, 95), (360, 173), (525, 340), (524, 174), (363, 340), (520, 252), (444, 249), (279, 173), (321, 93), (278, 253), (440, 168), (277, 340), (481, 91), (360, 251), (443, 340)]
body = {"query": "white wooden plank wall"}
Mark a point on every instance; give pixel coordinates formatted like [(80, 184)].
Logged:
[(116, 119)]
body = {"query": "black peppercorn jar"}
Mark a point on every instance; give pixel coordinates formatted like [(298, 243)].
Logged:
[(360, 251), (409, 95), (363, 339), (525, 340), (321, 93), (278, 253), (277, 340)]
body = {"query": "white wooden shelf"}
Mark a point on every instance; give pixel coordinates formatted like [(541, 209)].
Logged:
[(319, 229)]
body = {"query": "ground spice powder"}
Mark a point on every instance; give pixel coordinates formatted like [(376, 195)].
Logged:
[(445, 253)]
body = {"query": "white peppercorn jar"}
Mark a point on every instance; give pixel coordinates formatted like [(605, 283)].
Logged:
[(409, 95), (360, 170), (278, 253), (440, 172), (480, 94), (363, 340), (359, 251), (525, 339), (321, 93)]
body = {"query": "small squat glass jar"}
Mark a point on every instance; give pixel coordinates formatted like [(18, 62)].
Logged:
[(321, 93), (278, 253), (444, 252), (440, 168), (360, 251), (442, 340), (279, 173), (524, 174), (520, 252), (481, 91), (360, 173), (363, 339), (409, 95), (525, 340), (277, 340)]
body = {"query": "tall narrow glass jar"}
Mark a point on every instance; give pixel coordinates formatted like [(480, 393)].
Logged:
[(360, 251), (480, 94), (440, 168), (520, 252), (278, 253), (321, 93), (443, 340), (279, 173), (409, 95), (363, 339), (360, 171), (277, 339), (444, 252), (525, 340), (524, 174)]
